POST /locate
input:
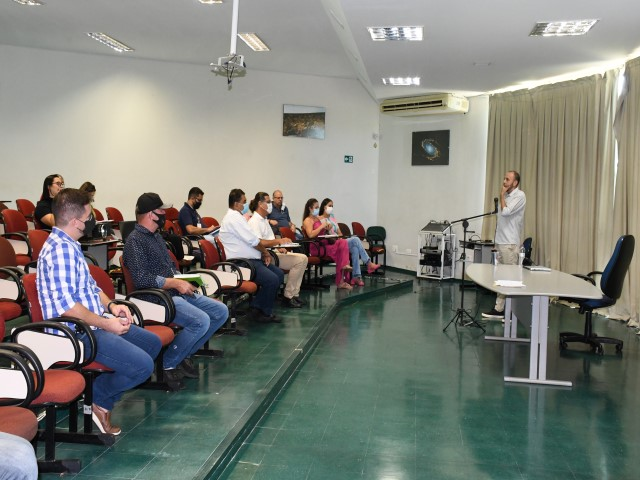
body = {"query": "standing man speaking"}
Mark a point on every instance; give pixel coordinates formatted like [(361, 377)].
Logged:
[(509, 230)]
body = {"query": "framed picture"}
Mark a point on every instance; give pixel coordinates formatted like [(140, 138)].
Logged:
[(430, 148), (302, 121)]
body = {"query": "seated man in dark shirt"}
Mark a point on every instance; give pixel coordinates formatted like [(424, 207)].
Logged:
[(147, 258), (279, 216), (190, 220)]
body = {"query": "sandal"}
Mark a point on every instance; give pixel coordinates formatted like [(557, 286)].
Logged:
[(372, 267), (345, 286), (357, 281)]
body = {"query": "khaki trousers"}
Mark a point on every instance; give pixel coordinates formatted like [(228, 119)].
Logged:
[(507, 255), (296, 264)]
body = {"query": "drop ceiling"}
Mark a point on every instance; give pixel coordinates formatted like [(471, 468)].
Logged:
[(469, 47)]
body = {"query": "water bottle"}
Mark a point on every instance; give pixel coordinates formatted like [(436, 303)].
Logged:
[(521, 257)]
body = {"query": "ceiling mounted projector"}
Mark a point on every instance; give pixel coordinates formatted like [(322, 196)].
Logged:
[(231, 65)]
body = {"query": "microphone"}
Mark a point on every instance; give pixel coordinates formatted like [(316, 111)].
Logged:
[(495, 204)]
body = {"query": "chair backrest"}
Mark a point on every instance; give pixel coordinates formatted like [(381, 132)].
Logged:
[(286, 232), (210, 221), (36, 240), (98, 214), (31, 291), (103, 280), (7, 254), (377, 233), (115, 215), (344, 228), (528, 247), (14, 221), (172, 214), (614, 273), (358, 230), (221, 253), (210, 255), (26, 208)]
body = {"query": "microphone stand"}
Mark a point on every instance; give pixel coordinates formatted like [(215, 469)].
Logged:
[(459, 317)]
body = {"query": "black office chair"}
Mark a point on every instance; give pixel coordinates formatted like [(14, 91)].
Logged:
[(611, 282), (528, 248)]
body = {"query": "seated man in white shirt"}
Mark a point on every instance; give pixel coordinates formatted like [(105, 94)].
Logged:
[(295, 263), (240, 242)]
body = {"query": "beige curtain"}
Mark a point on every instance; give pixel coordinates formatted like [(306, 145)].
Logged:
[(626, 212), (560, 138)]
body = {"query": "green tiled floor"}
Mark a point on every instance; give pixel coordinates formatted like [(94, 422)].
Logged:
[(182, 435), (386, 394)]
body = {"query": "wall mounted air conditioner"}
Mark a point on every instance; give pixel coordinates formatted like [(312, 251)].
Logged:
[(425, 105)]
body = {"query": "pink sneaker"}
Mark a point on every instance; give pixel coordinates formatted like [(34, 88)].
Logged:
[(372, 267)]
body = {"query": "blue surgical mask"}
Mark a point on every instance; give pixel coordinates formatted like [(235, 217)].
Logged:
[(315, 212), (245, 208)]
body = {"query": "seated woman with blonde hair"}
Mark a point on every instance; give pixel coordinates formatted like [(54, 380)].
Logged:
[(315, 227)]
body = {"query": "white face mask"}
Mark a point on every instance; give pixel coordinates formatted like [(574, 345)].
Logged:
[(269, 208), (328, 210)]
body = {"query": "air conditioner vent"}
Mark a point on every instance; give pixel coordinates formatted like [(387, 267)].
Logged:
[(425, 105)]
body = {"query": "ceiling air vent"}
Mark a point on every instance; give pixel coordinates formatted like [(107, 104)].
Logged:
[(425, 105)]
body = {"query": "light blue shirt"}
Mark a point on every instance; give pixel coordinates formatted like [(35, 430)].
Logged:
[(236, 236)]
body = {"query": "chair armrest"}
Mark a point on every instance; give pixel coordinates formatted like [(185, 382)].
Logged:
[(212, 275), (23, 237), (17, 385), (243, 263), (164, 300), (54, 350), (586, 278), (15, 274)]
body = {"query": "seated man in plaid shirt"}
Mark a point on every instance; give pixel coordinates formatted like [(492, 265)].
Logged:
[(66, 289)]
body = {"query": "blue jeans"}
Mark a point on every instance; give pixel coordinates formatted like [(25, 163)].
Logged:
[(17, 458), (269, 279), (130, 356), (357, 253), (199, 317)]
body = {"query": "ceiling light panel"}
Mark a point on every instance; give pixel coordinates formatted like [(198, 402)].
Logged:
[(401, 81), (383, 34), (561, 29), (29, 3), (210, 2), (110, 42), (254, 42)]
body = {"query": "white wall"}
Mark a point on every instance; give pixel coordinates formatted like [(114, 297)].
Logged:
[(409, 197), (131, 126)]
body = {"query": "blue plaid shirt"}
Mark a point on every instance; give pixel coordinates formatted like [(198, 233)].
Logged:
[(63, 278)]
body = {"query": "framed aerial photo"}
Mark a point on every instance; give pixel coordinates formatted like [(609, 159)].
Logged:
[(430, 148), (303, 121)]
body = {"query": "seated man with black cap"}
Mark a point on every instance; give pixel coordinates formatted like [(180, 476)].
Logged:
[(147, 258)]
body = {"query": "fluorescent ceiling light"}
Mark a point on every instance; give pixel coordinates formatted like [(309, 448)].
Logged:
[(30, 3), (401, 82), (254, 42), (381, 34), (110, 42), (560, 29), (210, 2)]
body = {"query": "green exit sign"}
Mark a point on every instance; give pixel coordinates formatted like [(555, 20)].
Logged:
[(348, 159)]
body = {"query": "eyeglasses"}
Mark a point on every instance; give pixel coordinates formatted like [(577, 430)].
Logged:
[(90, 217), (60, 184)]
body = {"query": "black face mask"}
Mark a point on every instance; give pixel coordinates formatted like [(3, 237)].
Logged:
[(89, 223), (161, 218), (197, 205)]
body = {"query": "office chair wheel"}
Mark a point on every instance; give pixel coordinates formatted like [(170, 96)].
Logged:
[(618, 348), (563, 345), (599, 350)]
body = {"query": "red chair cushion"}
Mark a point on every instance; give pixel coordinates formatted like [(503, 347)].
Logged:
[(9, 311), (165, 334), (18, 421), (60, 387)]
